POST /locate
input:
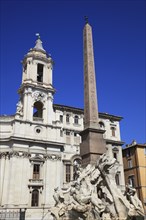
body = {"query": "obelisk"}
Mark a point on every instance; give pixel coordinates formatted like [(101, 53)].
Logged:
[(93, 144)]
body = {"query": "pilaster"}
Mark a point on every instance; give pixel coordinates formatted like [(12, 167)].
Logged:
[(49, 108)]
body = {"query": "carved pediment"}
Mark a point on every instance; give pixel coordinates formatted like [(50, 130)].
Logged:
[(115, 149), (37, 159)]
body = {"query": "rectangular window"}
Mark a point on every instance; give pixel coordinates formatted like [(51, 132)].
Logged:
[(67, 118), (113, 130), (129, 163), (67, 133), (61, 133), (76, 119), (61, 118), (115, 155), (36, 171), (40, 72), (128, 153), (68, 173), (35, 198), (131, 181)]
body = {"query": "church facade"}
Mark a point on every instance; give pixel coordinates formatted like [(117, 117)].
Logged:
[(40, 144)]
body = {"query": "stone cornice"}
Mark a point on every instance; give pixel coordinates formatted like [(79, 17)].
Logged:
[(110, 117), (9, 154), (95, 130), (6, 118), (53, 157), (30, 142), (34, 56), (37, 86), (81, 111), (109, 141), (21, 120), (135, 146), (68, 109), (36, 123)]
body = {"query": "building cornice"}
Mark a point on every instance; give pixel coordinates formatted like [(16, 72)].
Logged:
[(94, 130), (23, 154), (39, 86), (31, 142), (110, 117), (31, 54), (7, 118), (134, 146), (68, 108), (81, 111), (108, 141)]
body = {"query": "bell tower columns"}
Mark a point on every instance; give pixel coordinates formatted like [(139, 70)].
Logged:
[(93, 144)]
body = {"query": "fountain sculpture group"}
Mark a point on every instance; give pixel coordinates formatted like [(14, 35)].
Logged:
[(94, 194)]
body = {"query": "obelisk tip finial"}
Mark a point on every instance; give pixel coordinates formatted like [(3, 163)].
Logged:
[(86, 19)]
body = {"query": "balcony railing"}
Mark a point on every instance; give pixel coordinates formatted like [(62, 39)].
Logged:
[(37, 119)]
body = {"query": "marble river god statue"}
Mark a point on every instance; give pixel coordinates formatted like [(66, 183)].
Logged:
[(94, 195)]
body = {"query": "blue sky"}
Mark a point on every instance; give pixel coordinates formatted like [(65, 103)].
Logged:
[(119, 49)]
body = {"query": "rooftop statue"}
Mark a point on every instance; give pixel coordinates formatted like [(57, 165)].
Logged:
[(94, 195)]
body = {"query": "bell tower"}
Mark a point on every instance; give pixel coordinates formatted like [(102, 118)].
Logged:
[(36, 91)]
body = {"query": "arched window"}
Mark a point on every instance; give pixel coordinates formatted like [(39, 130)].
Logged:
[(38, 110), (40, 72), (35, 198), (76, 119), (67, 118), (113, 130)]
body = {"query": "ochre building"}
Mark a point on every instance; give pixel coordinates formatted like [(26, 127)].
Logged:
[(134, 159)]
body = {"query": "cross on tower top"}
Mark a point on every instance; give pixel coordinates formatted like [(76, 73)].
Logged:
[(38, 42), (38, 35)]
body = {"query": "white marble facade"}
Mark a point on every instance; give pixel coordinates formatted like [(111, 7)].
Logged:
[(40, 143)]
